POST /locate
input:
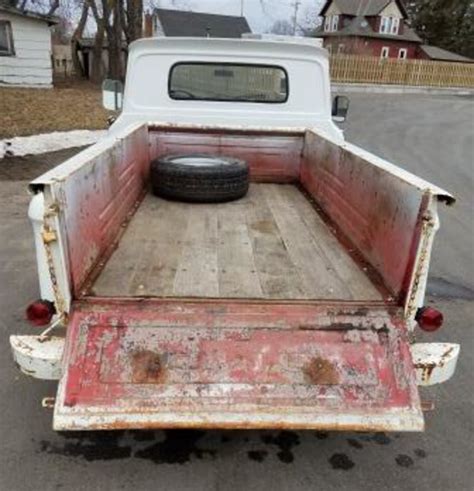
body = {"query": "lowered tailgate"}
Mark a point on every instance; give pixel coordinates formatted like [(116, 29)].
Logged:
[(154, 364)]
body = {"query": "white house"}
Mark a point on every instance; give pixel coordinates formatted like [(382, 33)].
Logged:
[(25, 48)]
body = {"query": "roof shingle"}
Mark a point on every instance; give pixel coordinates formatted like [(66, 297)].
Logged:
[(441, 54), (361, 7), (197, 24)]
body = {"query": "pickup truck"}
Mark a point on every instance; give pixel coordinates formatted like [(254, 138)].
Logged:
[(294, 307)]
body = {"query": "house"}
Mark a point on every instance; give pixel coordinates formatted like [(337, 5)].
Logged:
[(86, 53), (25, 48), (167, 22), (368, 27), (434, 53), (62, 60)]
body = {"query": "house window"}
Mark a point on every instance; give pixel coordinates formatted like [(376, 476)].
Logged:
[(340, 49), (327, 23), (389, 25), (331, 23), (395, 25), (6, 39), (402, 54), (329, 48), (385, 52)]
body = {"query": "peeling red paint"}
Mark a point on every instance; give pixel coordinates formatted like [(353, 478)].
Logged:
[(183, 357)]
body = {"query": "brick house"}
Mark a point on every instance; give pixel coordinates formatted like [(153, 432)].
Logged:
[(368, 27)]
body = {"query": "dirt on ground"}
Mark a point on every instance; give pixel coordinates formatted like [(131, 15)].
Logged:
[(65, 107), (30, 167)]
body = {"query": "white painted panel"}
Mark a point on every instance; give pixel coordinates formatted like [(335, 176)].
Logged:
[(24, 71), (333, 10), (391, 10), (19, 80), (40, 33), (31, 45), (31, 64)]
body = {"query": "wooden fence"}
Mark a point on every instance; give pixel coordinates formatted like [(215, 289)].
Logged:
[(365, 69)]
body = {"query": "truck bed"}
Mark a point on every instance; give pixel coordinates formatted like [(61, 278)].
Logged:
[(272, 244)]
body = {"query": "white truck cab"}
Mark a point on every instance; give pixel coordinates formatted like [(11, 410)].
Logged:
[(301, 70)]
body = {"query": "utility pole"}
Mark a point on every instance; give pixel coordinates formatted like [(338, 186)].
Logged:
[(241, 8), (295, 18)]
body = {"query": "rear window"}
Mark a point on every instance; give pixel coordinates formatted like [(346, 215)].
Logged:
[(228, 82)]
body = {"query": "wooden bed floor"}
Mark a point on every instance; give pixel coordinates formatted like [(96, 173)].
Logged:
[(270, 245)]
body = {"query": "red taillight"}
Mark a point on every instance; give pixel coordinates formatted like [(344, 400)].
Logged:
[(429, 319), (40, 313)]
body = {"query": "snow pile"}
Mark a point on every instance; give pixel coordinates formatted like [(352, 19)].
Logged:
[(48, 142)]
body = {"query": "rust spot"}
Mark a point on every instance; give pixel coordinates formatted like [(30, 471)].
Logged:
[(445, 356), (321, 372), (147, 368)]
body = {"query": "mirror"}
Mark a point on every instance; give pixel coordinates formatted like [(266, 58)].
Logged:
[(112, 94), (340, 108)]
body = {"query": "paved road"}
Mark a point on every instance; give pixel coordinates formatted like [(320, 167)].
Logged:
[(428, 135)]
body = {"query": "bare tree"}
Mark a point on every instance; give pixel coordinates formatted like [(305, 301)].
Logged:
[(282, 27), (96, 67), (132, 20), (309, 21), (75, 38)]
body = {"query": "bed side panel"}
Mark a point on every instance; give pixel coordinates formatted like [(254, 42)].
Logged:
[(378, 211), (97, 197)]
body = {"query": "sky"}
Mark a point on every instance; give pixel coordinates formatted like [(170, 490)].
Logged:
[(261, 14)]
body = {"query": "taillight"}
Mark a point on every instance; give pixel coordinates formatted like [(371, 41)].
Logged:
[(429, 319), (40, 312)]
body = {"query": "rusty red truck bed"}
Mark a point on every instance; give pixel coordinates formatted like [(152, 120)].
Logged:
[(288, 308)]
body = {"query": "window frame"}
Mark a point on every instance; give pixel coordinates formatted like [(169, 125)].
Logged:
[(7, 25), (395, 26), (405, 51), (387, 50), (217, 64), (334, 23), (327, 23)]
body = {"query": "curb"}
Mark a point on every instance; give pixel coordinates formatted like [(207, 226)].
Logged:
[(400, 89)]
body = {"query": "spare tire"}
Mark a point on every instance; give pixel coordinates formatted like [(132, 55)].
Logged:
[(199, 178)]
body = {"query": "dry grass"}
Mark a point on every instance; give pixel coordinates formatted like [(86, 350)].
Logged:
[(31, 111)]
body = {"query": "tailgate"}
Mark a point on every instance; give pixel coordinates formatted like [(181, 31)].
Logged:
[(155, 364)]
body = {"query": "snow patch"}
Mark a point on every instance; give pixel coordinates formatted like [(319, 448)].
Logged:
[(48, 142)]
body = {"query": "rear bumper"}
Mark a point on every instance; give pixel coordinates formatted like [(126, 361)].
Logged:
[(434, 363), (38, 356)]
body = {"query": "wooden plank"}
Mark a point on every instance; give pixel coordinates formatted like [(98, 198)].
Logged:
[(271, 244), (146, 260), (238, 276), (344, 267), (318, 275), (197, 270), (277, 274)]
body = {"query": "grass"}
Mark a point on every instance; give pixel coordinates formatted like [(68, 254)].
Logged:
[(32, 111)]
